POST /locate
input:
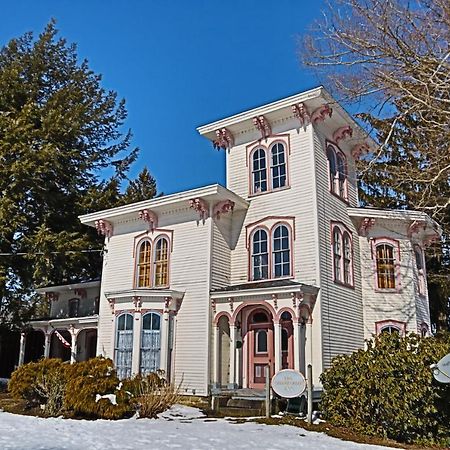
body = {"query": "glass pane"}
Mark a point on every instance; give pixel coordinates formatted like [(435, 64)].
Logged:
[(261, 341), (284, 340)]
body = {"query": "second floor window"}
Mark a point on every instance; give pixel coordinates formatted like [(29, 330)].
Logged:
[(385, 261), (342, 255), (74, 304), (259, 171), (144, 264), (273, 262), (337, 170), (278, 166), (162, 262), (260, 255)]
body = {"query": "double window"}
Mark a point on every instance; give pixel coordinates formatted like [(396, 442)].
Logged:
[(337, 170), (152, 263), (268, 168), (271, 253), (342, 255), (387, 264)]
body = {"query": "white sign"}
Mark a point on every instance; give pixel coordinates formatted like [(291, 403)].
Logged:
[(441, 370), (288, 383)]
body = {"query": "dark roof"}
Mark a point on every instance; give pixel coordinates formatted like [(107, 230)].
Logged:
[(258, 285)]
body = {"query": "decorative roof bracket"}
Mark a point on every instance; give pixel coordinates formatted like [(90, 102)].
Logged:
[(365, 226), (342, 133), (320, 113), (360, 149), (150, 217), (104, 227), (201, 206), (224, 139), (263, 126), (301, 113), (223, 207)]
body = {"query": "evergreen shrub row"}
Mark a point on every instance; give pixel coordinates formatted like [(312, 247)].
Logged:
[(388, 390), (90, 390)]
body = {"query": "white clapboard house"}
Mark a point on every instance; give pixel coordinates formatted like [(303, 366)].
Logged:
[(279, 269)]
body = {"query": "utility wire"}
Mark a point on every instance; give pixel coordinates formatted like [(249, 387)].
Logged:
[(52, 253)]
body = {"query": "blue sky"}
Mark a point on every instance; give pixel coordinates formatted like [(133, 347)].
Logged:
[(180, 64)]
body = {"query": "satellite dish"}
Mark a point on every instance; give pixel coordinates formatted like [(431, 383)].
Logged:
[(441, 370)]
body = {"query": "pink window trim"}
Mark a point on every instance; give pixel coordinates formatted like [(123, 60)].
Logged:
[(343, 230), (153, 241), (332, 188), (282, 139), (401, 326), (396, 250), (269, 232)]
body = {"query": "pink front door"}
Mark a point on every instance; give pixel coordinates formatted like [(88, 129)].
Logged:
[(260, 349)]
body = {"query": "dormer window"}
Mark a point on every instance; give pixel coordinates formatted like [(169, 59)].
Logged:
[(337, 171), (268, 166)]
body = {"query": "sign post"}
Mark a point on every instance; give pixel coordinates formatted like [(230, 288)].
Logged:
[(310, 394)]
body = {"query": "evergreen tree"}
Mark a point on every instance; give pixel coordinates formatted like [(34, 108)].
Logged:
[(58, 130)]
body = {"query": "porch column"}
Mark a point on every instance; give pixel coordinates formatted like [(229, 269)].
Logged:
[(308, 346), (277, 336), (216, 358), (297, 348), (136, 354), (23, 340), (165, 343), (73, 344), (232, 382), (47, 337)]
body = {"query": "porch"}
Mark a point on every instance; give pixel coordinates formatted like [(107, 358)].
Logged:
[(260, 328)]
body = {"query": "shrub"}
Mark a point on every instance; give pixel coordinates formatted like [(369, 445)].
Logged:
[(151, 394), (87, 382), (41, 383), (388, 390)]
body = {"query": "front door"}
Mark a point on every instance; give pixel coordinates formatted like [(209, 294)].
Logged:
[(260, 349)]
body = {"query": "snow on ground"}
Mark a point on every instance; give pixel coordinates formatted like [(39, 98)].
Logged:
[(181, 427)]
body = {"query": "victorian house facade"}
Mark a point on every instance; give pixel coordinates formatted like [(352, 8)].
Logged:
[(279, 269)]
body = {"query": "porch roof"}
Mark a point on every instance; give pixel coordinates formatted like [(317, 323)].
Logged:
[(88, 321), (264, 287)]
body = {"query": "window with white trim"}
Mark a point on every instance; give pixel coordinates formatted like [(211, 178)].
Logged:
[(337, 171), (342, 254), (150, 343), (270, 253), (386, 266), (124, 345), (268, 167)]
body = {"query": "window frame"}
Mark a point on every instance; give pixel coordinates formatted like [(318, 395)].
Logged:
[(339, 229), (159, 315), (395, 244), (338, 179), (383, 324), (116, 339), (159, 239), (148, 264), (163, 234), (284, 140), (252, 174), (270, 250), (420, 271)]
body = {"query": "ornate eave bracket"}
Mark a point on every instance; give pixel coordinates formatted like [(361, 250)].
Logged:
[(224, 139), (360, 149), (52, 296), (342, 133), (149, 216), (414, 228), (301, 113), (263, 126), (111, 302), (223, 207), (137, 302), (320, 114), (365, 226), (429, 240), (80, 292), (201, 206), (104, 228)]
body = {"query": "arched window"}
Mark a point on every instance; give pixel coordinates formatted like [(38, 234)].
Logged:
[(385, 261), (124, 345), (161, 262), (341, 176), (331, 157), (74, 304), (260, 255), (150, 343), (390, 326), (281, 253), (259, 171), (278, 166), (337, 254), (390, 329), (144, 264), (261, 341), (337, 169), (420, 265), (347, 259)]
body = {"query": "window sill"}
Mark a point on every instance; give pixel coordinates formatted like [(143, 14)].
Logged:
[(342, 199), (341, 283), (257, 194), (290, 277), (388, 291)]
